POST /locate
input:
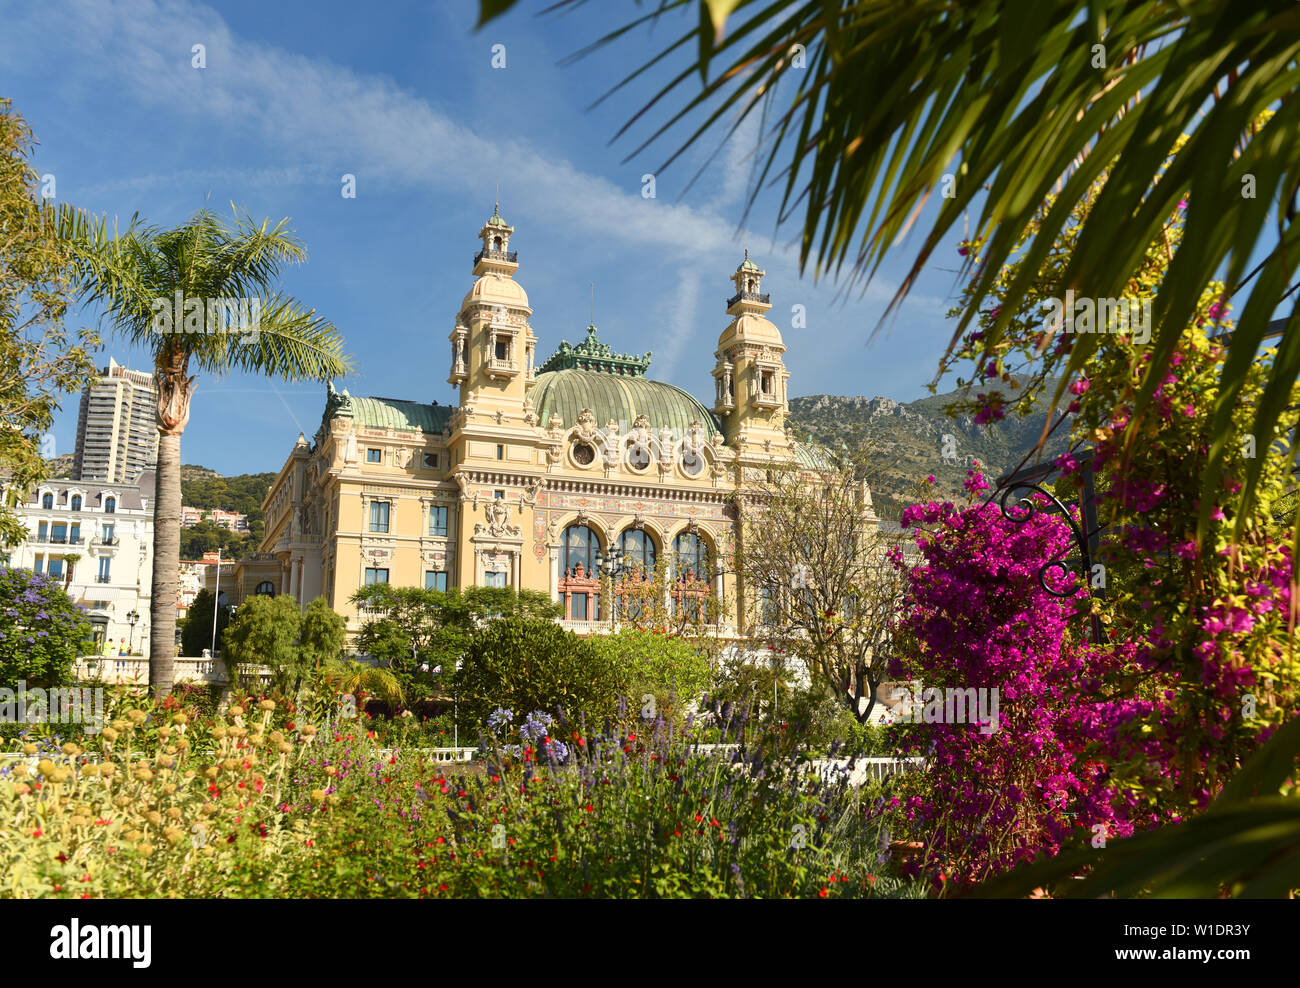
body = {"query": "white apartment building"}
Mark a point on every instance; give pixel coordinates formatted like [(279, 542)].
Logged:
[(98, 538), (117, 428)]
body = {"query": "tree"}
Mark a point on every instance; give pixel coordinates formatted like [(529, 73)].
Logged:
[(70, 560), (173, 291), (825, 589), (868, 109), (196, 632), (39, 359), (41, 630), (409, 628), (526, 664), (271, 631)]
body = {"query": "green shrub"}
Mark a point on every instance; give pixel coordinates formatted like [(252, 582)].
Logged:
[(664, 666), (534, 664)]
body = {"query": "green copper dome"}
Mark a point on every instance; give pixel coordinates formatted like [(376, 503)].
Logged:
[(620, 398)]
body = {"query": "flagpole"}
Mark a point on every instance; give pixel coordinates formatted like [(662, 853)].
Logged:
[(216, 596)]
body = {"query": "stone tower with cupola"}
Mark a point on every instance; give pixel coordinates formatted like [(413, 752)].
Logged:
[(492, 343), (750, 376)]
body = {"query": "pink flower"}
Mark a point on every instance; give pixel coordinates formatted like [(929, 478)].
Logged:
[(1080, 386)]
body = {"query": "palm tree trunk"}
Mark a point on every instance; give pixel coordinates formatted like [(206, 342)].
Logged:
[(174, 391), (166, 565)]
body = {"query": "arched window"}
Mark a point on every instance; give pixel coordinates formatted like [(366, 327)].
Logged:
[(638, 550), (76, 502), (496, 243), (266, 588), (579, 583), (639, 554), (690, 557), (110, 505), (691, 575), (47, 501)]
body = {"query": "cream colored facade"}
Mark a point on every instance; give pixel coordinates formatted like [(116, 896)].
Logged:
[(538, 464)]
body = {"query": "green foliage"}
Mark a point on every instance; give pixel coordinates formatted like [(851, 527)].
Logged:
[(412, 627), (196, 633), (664, 666), (270, 631), (202, 488), (41, 630), (39, 359), (528, 663)]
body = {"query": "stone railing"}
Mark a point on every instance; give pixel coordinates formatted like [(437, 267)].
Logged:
[(133, 670)]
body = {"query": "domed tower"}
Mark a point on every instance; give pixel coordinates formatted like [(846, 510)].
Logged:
[(492, 344), (750, 375)]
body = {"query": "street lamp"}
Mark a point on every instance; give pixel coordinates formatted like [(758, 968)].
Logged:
[(612, 565), (131, 619)]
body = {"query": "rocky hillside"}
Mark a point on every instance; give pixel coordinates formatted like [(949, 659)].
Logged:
[(913, 438)]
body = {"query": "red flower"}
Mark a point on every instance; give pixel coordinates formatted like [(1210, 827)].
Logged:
[(822, 893)]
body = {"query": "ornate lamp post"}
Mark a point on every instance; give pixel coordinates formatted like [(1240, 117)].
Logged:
[(131, 619), (612, 564)]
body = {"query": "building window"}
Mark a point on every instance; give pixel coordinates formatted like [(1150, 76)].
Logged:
[(436, 580), (438, 520), (767, 382), (56, 567), (498, 495), (767, 605), (501, 452), (691, 572), (494, 579), (105, 567), (374, 456), (579, 583), (107, 537), (39, 565), (502, 350), (110, 506), (638, 550), (74, 537), (374, 576), (76, 502), (59, 534), (379, 516), (266, 588), (47, 501), (431, 461)]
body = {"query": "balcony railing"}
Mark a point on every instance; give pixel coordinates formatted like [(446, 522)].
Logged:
[(497, 255), (48, 539), (103, 579), (112, 540), (748, 297)]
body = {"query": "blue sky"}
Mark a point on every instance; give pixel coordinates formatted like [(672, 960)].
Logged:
[(403, 95)]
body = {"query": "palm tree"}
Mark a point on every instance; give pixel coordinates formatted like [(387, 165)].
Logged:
[(868, 106), (71, 560), (175, 291)]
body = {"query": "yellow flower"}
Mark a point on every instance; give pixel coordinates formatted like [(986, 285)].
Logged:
[(307, 730), (318, 796), (19, 770), (332, 799), (180, 718), (172, 835), (266, 705), (169, 788), (331, 770), (133, 835), (122, 801), (107, 770), (219, 732), (29, 749), (71, 750), (210, 772), (90, 771), (154, 817), (166, 761), (277, 736), (22, 789), (284, 748), (174, 813), (144, 849), (109, 734), (164, 732), (230, 765), (137, 717), (46, 768), (207, 809), (236, 711)]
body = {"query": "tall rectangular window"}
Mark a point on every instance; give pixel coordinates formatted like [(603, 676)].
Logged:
[(438, 520), (108, 533), (374, 576), (501, 452), (435, 580), (56, 567), (379, 516), (105, 564), (494, 579), (39, 565)]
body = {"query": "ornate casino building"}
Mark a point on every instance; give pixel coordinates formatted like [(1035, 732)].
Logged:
[(544, 468)]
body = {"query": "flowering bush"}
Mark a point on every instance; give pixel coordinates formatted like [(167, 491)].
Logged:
[(41, 630), (257, 804)]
